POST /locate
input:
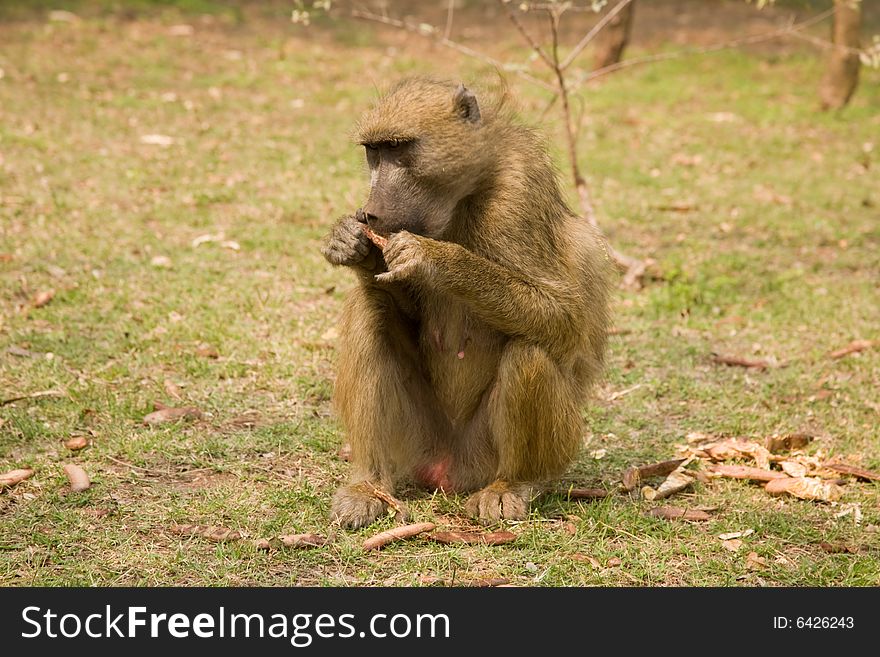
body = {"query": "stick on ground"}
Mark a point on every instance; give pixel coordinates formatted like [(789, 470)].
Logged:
[(382, 539)]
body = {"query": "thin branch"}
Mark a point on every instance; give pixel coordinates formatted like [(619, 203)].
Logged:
[(827, 45), (450, 10), (549, 105), (789, 30), (430, 31), (593, 33), (528, 37), (34, 395), (562, 90), (544, 6)]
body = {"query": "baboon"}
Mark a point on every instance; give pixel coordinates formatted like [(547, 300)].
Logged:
[(467, 348)]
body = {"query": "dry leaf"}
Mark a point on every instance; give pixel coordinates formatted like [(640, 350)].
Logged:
[(854, 509), (677, 206), (181, 30), (788, 442), (15, 350), (211, 532), (157, 140), (806, 488), (42, 298), (492, 538), (161, 261), (13, 477), (489, 582), (679, 513), (62, 16), (676, 482), (744, 472), (598, 453), (737, 361), (207, 351), (853, 347), (382, 539), (165, 415), (732, 544), (793, 468), (76, 443), (854, 471), (593, 561), (302, 540), (735, 448), (731, 535), (836, 548), (613, 562), (262, 544), (569, 528), (633, 476), (79, 480), (697, 438), (172, 389), (754, 562)]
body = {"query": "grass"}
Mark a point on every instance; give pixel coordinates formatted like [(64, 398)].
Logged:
[(777, 256)]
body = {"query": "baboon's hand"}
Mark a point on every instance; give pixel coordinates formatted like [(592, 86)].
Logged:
[(347, 243), (405, 257)]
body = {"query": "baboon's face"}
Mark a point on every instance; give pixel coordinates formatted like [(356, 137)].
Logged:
[(425, 155), (399, 198)]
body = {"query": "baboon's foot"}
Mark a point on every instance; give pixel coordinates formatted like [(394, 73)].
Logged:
[(500, 500), (356, 506)]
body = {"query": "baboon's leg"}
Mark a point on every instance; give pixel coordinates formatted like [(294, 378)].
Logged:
[(383, 401), (535, 424)]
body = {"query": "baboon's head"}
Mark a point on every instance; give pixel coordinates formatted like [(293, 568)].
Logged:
[(426, 146)]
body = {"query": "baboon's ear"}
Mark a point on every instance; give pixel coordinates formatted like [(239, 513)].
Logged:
[(465, 104)]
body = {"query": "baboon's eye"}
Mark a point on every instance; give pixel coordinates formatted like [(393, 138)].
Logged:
[(371, 147), (394, 143)]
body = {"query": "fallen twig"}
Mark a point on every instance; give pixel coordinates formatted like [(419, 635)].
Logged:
[(737, 361), (34, 395), (400, 511), (854, 471), (853, 347), (382, 539), (744, 472), (586, 493), (679, 513)]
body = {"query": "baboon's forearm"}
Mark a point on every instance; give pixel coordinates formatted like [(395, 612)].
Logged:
[(401, 298), (536, 310)]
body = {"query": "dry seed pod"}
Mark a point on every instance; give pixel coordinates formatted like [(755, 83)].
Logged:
[(14, 476), (79, 480)]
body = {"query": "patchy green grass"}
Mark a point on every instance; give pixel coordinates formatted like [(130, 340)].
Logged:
[(776, 256)]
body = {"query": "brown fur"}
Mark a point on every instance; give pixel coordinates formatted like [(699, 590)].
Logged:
[(468, 347)]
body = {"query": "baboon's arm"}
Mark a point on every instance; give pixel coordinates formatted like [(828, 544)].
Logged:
[(540, 310), (397, 292)]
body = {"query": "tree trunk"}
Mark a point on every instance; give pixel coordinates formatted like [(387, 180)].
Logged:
[(613, 38), (842, 75)]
